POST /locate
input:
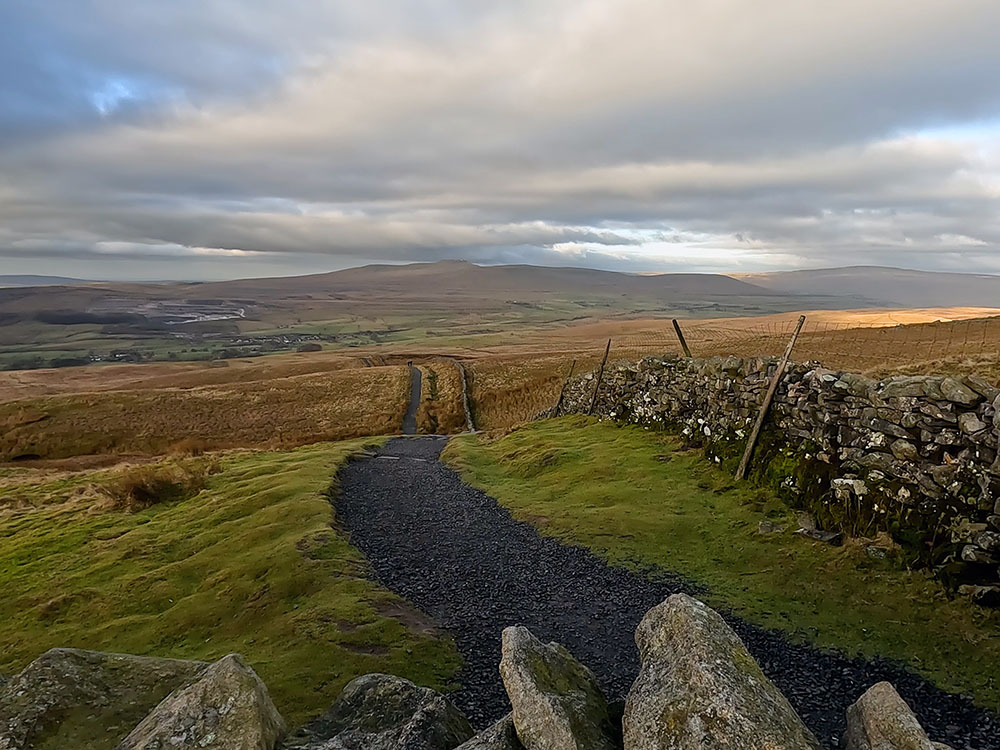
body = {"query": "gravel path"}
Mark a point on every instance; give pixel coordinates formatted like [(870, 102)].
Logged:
[(457, 555)]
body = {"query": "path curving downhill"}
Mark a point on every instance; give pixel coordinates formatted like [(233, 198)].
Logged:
[(461, 558)]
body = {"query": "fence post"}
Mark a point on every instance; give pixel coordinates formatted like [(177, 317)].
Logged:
[(600, 377), (680, 337), (562, 392), (741, 470)]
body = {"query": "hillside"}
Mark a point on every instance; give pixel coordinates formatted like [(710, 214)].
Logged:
[(8, 280), (68, 325), (877, 286)]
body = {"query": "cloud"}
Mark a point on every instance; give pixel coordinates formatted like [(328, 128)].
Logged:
[(623, 134)]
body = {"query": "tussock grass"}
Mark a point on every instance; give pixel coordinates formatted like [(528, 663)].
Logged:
[(139, 487), (511, 389), (441, 410), (251, 564), (636, 498)]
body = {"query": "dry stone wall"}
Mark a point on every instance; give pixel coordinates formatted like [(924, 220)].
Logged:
[(915, 456)]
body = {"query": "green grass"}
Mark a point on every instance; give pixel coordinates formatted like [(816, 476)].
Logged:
[(251, 565), (637, 499)]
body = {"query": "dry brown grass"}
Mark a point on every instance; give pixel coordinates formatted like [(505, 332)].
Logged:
[(290, 399), (441, 410), (282, 412), (138, 487), (21, 384), (509, 389)]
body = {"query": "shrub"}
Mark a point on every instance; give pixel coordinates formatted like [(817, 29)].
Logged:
[(140, 487)]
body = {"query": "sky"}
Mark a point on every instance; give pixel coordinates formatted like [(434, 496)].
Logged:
[(209, 139)]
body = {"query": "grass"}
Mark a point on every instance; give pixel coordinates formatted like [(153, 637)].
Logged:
[(510, 389), (637, 499), (249, 564), (440, 411), (278, 412)]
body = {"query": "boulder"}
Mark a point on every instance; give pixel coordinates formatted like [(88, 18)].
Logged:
[(699, 687), (384, 712), (557, 702), (227, 708), (72, 698), (881, 720), (500, 736)]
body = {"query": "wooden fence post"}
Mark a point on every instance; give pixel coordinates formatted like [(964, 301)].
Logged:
[(562, 393), (741, 470), (680, 337), (600, 377)]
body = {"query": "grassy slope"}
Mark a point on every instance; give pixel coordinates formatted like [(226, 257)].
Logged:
[(249, 565), (635, 498)]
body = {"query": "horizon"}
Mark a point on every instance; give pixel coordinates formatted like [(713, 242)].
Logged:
[(251, 141), (401, 264)]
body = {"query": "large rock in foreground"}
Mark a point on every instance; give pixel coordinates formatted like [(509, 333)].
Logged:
[(500, 736), (228, 708), (557, 702), (881, 720), (85, 699), (699, 687), (383, 712)]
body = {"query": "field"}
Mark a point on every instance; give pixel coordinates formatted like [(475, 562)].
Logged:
[(441, 410), (275, 412), (669, 508), (250, 563), (295, 398)]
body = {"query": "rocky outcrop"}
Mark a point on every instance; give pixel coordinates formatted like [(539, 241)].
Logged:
[(383, 712), (881, 720), (699, 687), (557, 702), (228, 708), (85, 699), (500, 736), (915, 456)]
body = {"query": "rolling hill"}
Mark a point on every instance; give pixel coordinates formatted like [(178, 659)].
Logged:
[(878, 286)]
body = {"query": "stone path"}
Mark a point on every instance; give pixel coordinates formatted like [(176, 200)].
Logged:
[(457, 555)]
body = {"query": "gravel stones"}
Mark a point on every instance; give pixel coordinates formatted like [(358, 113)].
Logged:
[(459, 557)]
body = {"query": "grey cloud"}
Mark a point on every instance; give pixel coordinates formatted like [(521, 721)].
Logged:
[(544, 132)]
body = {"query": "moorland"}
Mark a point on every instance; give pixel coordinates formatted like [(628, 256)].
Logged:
[(167, 455)]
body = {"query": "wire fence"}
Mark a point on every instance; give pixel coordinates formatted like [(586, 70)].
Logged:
[(513, 388), (861, 346)]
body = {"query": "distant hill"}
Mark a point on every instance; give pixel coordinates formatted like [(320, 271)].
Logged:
[(31, 280), (513, 281), (879, 286)]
